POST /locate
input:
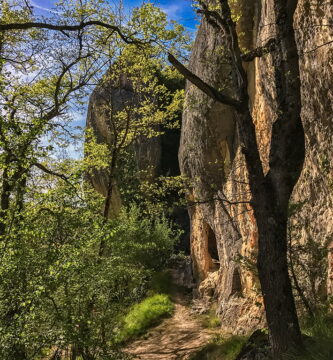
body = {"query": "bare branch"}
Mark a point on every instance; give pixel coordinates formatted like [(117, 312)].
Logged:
[(62, 28), (219, 199), (269, 47), (51, 172), (203, 86)]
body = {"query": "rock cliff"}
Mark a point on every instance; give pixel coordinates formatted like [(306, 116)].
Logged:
[(223, 233), (147, 152), (153, 156)]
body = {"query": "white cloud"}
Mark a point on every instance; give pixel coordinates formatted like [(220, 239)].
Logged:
[(172, 11), (44, 8)]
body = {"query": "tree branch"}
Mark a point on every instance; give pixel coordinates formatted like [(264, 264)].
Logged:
[(203, 86), (50, 172), (219, 199), (269, 47), (62, 28)]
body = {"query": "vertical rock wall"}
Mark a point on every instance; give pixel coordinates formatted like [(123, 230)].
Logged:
[(147, 151), (209, 153)]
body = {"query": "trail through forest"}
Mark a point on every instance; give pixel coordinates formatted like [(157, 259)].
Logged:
[(176, 338)]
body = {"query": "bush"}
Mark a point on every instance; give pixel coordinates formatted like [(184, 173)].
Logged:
[(57, 292), (144, 315), (161, 283), (141, 241)]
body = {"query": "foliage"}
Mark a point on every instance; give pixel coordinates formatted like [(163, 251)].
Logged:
[(143, 315), (45, 77), (56, 290), (151, 239), (161, 282), (220, 348)]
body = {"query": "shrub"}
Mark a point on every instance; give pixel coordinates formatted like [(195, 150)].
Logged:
[(161, 283), (57, 292), (141, 241)]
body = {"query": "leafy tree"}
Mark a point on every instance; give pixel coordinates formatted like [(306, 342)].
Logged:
[(58, 291), (135, 105)]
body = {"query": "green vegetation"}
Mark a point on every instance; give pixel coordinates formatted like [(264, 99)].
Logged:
[(318, 340), (55, 287), (79, 276), (221, 348), (58, 290), (210, 320), (144, 315), (161, 283), (69, 273)]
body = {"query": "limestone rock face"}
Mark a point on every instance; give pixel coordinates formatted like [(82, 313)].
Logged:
[(147, 151), (315, 187), (223, 228)]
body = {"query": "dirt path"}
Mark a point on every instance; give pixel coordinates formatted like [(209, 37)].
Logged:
[(175, 339)]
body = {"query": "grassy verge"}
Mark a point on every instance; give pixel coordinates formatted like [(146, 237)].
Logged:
[(142, 316), (221, 348)]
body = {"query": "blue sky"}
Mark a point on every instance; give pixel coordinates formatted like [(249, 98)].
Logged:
[(179, 10)]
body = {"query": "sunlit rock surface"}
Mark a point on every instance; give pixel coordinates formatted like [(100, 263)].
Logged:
[(223, 233)]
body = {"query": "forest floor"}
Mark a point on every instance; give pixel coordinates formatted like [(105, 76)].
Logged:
[(176, 338)]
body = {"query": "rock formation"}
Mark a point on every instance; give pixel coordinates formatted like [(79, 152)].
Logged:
[(223, 233), (147, 152), (155, 156)]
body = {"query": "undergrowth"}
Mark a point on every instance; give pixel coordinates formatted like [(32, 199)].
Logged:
[(318, 339), (143, 315), (210, 320), (161, 283), (221, 348)]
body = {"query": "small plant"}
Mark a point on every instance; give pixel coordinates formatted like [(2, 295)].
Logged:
[(144, 315), (210, 320)]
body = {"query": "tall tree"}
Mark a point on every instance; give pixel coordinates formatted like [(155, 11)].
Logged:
[(270, 191)]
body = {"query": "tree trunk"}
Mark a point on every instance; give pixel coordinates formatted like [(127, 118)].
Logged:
[(271, 192), (4, 200), (271, 215), (111, 183), (275, 282)]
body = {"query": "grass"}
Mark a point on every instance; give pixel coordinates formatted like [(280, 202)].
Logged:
[(210, 320), (142, 316), (221, 348), (319, 339)]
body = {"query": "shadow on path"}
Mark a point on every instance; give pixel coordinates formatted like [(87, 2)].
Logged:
[(175, 338)]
